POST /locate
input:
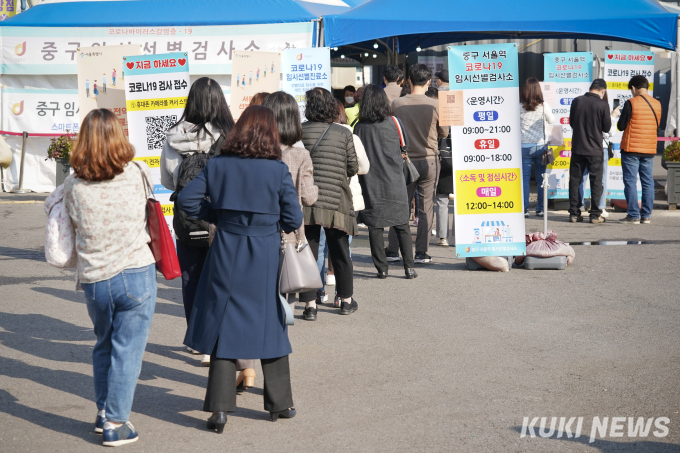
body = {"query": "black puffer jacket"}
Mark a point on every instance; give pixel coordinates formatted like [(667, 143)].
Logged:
[(335, 161)]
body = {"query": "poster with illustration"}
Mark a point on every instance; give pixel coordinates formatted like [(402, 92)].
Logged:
[(252, 73), (487, 161), (156, 90), (101, 79)]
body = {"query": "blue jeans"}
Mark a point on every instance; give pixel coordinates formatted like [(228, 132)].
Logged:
[(644, 166), (532, 155), (582, 187), (121, 309)]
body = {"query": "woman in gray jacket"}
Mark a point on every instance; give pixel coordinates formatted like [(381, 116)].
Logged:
[(384, 188), (331, 147)]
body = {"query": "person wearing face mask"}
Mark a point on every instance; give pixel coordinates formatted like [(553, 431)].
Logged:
[(589, 119), (352, 111), (349, 92)]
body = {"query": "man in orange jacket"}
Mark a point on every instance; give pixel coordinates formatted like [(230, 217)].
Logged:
[(639, 122)]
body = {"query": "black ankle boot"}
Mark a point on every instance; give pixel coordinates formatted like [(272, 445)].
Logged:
[(217, 422)]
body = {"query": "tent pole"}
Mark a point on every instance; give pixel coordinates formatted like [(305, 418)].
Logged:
[(677, 81), (320, 41)]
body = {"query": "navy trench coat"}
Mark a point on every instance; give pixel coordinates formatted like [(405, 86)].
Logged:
[(237, 306)]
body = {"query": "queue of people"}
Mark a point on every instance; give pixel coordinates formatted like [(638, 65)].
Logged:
[(242, 188)]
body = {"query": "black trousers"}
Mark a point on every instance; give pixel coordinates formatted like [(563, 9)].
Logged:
[(377, 240), (191, 260), (578, 166), (221, 393), (338, 254)]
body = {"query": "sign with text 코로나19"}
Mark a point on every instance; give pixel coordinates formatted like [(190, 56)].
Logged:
[(40, 111), (101, 79), (487, 158), (156, 87), (252, 73), (304, 69), (572, 74), (619, 67)]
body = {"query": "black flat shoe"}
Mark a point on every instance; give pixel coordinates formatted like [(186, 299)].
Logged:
[(288, 413), (309, 314), (410, 273), (382, 275), (217, 422)]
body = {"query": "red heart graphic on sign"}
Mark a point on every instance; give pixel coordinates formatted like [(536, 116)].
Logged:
[(130, 65), (610, 56), (181, 61), (649, 57)]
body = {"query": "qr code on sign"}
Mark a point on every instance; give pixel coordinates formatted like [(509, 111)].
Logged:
[(451, 99), (155, 130)]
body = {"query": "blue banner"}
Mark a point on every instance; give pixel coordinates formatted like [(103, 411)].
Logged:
[(483, 66), (568, 67)]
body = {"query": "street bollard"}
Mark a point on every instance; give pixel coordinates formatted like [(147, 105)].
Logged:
[(24, 138)]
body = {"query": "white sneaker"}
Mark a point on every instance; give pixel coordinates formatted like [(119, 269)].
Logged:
[(192, 351), (205, 361), (330, 280), (604, 214), (442, 242)]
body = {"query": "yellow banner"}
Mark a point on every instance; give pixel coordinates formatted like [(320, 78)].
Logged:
[(615, 162), (624, 86), (168, 209), (152, 162), (157, 104), (488, 191)]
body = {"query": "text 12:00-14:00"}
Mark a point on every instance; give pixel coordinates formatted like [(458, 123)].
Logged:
[(483, 158), (490, 130), (482, 205)]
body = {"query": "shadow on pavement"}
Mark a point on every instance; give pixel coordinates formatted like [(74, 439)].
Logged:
[(608, 446), (10, 405)]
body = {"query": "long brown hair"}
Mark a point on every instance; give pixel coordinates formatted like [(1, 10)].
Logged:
[(531, 95), (259, 98), (254, 135), (102, 150)]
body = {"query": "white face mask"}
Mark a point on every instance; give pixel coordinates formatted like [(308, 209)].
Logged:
[(349, 100)]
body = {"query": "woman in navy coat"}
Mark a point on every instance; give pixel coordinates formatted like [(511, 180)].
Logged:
[(237, 313)]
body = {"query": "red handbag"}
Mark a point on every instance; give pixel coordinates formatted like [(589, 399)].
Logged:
[(162, 245)]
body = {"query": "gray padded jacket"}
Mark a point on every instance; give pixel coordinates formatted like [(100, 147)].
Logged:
[(335, 161)]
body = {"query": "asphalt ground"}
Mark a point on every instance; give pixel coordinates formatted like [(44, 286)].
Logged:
[(452, 361)]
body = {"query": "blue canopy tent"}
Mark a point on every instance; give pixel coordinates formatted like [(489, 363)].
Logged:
[(159, 13), (447, 21)]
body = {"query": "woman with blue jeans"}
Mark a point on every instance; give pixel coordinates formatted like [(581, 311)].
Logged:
[(106, 201), (535, 116)]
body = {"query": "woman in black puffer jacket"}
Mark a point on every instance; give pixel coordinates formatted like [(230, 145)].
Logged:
[(331, 147)]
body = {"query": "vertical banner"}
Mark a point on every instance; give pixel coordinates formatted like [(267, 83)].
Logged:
[(619, 67), (252, 73), (483, 111), (101, 79), (156, 87), (304, 69), (572, 74)]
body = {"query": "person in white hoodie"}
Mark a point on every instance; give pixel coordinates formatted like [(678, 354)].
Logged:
[(206, 117)]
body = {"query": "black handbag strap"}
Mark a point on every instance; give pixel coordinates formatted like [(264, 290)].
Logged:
[(320, 137), (653, 111)]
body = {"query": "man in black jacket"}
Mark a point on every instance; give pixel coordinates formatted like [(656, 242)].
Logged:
[(589, 118)]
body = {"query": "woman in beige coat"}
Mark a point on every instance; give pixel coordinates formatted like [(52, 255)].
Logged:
[(299, 163)]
